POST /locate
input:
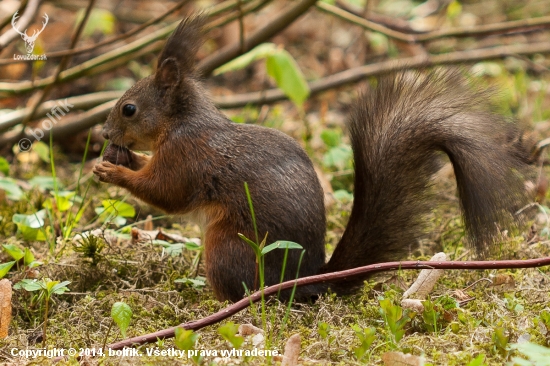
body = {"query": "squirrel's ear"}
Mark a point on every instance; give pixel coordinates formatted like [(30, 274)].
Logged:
[(168, 74), (184, 43)]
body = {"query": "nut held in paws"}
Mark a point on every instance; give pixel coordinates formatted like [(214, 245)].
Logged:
[(117, 155)]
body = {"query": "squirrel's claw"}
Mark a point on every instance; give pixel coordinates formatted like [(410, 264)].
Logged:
[(105, 171)]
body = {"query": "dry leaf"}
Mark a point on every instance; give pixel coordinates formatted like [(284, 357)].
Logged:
[(461, 295), (292, 350), (504, 279), (413, 304), (148, 224), (426, 279), (5, 307), (327, 187), (248, 329), (401, 359), (257, 339)]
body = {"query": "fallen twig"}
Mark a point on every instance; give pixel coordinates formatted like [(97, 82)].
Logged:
[(326, 277)]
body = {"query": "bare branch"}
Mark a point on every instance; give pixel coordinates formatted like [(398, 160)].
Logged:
[(517, 26), (360, 73), (323, 278), (279, 23)]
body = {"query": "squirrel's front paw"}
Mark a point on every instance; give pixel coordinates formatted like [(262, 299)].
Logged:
[(107, 172)]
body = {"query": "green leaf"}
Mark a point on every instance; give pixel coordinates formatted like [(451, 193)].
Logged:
[(228, 331), (454, 9), (30, 226), (121, 314), (63, 200), (538, 355), (197, 282), (29, 257), (29, 285), (59, 288), (288, 76), (339, 157), (5, 267), (281, 244), (259, 52), (253, 245), (192, 246), (100, 20), (331, 137), (171, 249), (13, 192), (343, 196), (34, 221), (14, 251), (42, 150), (323, 329), (44, 183), (185, 339), (118, 208), (478, 361), (366, 336), (4, 166)]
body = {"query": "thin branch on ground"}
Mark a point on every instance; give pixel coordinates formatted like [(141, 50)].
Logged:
[(323, 278)]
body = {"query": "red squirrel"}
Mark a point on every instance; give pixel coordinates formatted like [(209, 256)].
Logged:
[(398, 130)]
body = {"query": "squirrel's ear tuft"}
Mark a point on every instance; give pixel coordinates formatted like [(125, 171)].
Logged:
[(184, 43), (168, 74)]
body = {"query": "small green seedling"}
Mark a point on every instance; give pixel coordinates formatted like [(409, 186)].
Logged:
[(478, 361), (90, 246), (396, 319), (500, 341), (186, 340), (46, 288), (324, 332), (366, 337), (229, 332), (121, 314), (197, 283), (17, 254)]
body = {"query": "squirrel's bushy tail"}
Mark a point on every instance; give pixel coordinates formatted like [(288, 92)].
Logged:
[(397, 131)]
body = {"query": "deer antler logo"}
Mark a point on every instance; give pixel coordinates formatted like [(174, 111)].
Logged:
[(29, 40)]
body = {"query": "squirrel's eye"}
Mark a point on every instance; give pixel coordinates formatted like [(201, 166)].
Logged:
[(128, 110)]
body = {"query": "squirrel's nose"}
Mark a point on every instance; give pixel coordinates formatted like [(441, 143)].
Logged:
[(105, 135)]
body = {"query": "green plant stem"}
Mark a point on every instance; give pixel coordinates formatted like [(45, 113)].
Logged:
[(45, 328), (107, 335)]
